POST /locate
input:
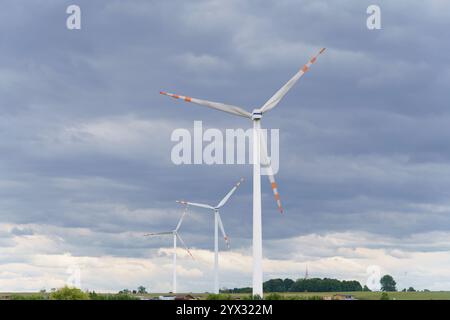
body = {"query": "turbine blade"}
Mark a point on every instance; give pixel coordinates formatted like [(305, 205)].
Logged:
[(265, 162), (157, 233), (214, 105), (184, 245), (194, 204), (181, 219), (229, 194), (274, 186), (276, 98), (223, 232)]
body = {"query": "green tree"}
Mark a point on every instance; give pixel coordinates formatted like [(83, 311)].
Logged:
[(325, 285), (303, 285), (141, 290), (68, 293), (237, 290), (411, 289), (388, 283), (274, 285), (288, 284), (366, 288)]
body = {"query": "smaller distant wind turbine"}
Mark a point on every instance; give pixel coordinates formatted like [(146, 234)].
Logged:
[(217, 223), (175, 235)]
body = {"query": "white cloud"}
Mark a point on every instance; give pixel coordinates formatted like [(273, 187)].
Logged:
[(42, 261)]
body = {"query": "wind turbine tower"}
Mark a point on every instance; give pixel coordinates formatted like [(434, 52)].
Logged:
[(258, 152)]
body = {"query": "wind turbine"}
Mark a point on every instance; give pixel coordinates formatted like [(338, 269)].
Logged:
[(175, 235), (217, 224), (258, 151)]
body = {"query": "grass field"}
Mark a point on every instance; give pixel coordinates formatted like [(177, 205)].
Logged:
[(433, 295), (362, 295), (438, 295)]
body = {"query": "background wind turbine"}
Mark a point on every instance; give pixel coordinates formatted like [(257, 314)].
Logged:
[(258, 152), (217, 224), (175, 235)]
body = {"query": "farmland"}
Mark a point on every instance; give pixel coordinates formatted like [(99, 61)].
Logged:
[(361, 295)]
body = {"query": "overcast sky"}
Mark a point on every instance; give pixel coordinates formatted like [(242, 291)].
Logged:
[(85, 166)]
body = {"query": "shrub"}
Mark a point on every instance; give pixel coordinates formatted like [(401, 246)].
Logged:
[(120, 296), (67, 293), (274, 296), (384, 296), (296, 297), (28, 297), (251, 297), (219, 297)]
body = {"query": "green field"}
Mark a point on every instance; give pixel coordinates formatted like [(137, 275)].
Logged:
[(361, 295)]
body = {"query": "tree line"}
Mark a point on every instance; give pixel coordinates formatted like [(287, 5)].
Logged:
[(303, 285), (387, 283)]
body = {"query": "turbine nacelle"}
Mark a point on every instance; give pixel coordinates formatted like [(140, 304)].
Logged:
[(256, 114)]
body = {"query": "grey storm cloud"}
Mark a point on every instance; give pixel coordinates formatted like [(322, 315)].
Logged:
[(85, 136)]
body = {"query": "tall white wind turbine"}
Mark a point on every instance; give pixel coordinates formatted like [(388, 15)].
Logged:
[(176, 236), (217, 224), (258, 151)]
